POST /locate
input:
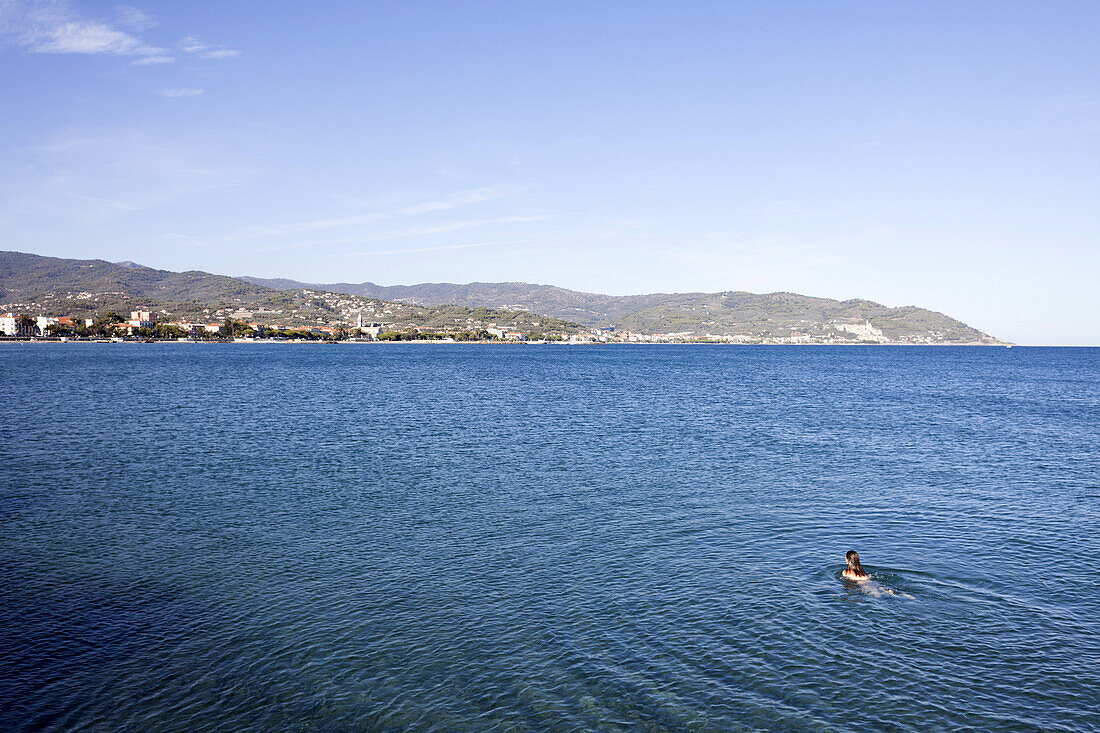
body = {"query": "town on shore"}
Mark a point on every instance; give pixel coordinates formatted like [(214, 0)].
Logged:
[(56, 298), (147, 325)]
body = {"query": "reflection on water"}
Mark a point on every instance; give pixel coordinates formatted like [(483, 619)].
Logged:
[(249, 537)]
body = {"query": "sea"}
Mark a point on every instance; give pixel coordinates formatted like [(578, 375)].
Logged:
[(412, 537)]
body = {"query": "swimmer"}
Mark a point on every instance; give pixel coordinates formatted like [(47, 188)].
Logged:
[(854, 571)]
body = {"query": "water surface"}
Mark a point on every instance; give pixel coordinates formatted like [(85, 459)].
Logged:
[(200, 537)]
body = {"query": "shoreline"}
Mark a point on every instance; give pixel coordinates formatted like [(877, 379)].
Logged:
[(510, 343)]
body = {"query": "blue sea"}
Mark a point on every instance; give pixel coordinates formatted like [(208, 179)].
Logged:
[(410, 537)]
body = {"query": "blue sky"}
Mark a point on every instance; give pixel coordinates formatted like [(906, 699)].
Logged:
[(939, 154)]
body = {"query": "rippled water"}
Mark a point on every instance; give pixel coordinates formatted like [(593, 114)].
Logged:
[(413, 537)]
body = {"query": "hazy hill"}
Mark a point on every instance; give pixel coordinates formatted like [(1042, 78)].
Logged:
[(763, 315)]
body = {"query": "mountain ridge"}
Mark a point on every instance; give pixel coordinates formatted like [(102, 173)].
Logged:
[(781, 314), (59, 286), (72, 287)]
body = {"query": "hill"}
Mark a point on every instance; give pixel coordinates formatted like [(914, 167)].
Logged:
[(30, 277), (55, 286), (85, 288), (750, 316)]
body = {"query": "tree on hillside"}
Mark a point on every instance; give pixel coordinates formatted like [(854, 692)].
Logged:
[(236, 329)]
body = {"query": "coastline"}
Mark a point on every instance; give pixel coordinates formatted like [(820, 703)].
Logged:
[(441, 342)]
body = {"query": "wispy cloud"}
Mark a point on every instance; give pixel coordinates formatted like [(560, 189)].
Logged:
[(220, 53), (453, 226), (54, 27), (1068, 104), (194, 46), (100, 176), (454, 201), (152, 60), (178, 93), (191, 45), (134, 18), (462, 198), (408, 233), (439, 248), (89, 38)]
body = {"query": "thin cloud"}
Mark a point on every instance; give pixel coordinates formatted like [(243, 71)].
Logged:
[(183, 238), (411, 232), (455, 226), (463, 198), (459, 199), (153, 60), (179, 93), (89, 38), (193, 45), (440, 248), (223, 53), (1070, 103), (54, 27), (134, 18), (102, 176), (57, 28)]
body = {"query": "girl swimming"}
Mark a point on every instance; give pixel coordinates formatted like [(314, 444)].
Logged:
[(854, 571)]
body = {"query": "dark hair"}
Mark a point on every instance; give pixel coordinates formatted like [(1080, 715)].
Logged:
[(853, 562)]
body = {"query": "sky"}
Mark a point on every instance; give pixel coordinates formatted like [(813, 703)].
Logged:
[(939, 154)]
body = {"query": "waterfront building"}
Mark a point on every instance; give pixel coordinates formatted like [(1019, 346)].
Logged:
[(11, 326), (142, 319)]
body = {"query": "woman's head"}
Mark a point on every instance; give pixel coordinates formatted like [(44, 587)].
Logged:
[(853, 564)]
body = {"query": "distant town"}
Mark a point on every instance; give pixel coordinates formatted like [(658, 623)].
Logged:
[(47, 298), (147, 325)]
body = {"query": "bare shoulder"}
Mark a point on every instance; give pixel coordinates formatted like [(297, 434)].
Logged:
[(854, 576)]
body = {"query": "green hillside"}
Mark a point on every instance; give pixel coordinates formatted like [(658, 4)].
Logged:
[(30, 277), (85, 288), (750, 315), (54, 286)]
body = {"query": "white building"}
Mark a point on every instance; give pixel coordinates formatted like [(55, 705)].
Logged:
[(9, 325), (143, 319), (863, 331), (368, 328)]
